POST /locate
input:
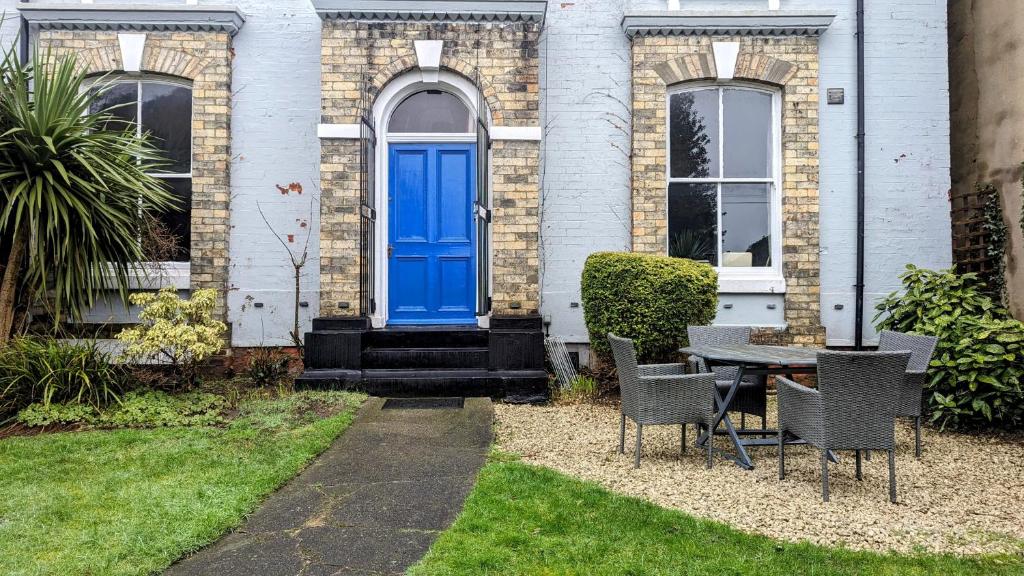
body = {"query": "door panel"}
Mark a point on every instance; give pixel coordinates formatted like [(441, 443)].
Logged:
[(411, 195), (453, 217), (455, 277), (432, 257)]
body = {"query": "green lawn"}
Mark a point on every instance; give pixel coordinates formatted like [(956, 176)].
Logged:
[(526, 520), (132, 501)]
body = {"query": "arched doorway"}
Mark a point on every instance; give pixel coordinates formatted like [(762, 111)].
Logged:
[(429, 184)]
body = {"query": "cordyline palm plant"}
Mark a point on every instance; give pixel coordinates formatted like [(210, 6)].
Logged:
[(74, 191)]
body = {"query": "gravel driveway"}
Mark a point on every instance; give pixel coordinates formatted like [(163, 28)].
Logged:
[(963, 496)]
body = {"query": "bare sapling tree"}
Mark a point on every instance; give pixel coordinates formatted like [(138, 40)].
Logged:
[(298, 258)]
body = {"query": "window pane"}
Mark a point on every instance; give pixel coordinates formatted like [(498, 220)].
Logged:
[(746, 225), (693, 134), (431, 111), (120, 101), (748, 133), (171, 238), (167, 115), (693, 222)]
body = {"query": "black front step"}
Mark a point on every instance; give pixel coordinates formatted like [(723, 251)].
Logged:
[(506, 361), (398, 383), (427, 337), (425, 358)]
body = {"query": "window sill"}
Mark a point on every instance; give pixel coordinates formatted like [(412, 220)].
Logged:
[(157, 275), (750, 283)]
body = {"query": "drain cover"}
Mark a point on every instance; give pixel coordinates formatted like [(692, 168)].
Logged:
[(422, 403)]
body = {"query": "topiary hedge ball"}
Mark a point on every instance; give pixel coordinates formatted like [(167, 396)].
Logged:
[(648, 298)]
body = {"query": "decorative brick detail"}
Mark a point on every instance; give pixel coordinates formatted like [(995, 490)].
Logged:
[(357, 60), (788, 62), (689, 67), (205, 59)]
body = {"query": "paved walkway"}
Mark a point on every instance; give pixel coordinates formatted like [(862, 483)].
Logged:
[(371, 504)]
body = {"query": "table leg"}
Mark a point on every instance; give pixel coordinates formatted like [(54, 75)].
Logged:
[(741, 459)]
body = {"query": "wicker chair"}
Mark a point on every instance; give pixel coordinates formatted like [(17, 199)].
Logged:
[(912, 388), (752, 396), (854, 408), (661, 394)]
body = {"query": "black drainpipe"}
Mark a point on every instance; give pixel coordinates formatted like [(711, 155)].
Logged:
[(858, 330), (23, 41)]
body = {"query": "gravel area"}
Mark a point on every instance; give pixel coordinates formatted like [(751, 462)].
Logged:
[(963, 496)]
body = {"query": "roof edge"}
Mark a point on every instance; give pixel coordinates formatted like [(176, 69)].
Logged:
[(737, 22), (440, 10), (133, 17)]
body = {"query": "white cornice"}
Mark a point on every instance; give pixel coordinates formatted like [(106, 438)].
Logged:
[(732, 23), (133, 17), (440, 10)]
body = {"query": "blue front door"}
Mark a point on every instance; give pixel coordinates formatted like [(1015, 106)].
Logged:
[(431, 260)]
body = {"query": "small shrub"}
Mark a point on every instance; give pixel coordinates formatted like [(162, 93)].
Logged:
[(181, 332), (268, 366), (49, 371), (975, 376), (650, 299)]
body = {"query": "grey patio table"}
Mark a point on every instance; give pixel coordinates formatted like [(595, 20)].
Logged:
[(752, 359)]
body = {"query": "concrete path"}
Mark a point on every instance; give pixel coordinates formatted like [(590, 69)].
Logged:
[(371, 504)]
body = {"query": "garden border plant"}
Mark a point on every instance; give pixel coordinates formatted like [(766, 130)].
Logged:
[(975, 376), (175, 330)]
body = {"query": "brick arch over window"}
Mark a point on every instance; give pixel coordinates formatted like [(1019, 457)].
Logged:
[(156, 60), (749, 66), (408, 63), (204, 58)]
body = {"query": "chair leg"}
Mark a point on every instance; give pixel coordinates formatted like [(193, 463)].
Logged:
[(867, 455), (682, 439), (639, 443), (782, 456), (622, 434), (860, 476), (892, 476), (824, 475), (917, 437), (711, 440), (743, 420)]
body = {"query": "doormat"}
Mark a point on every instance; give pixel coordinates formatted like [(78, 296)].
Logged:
[(422, 403)]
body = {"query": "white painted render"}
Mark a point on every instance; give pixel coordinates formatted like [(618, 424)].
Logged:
[(584, 134)]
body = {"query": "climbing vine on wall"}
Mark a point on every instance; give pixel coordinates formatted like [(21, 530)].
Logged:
[(997, 231), (1022, 198)]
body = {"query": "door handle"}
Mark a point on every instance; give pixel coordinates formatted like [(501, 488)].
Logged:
[(391, 250)]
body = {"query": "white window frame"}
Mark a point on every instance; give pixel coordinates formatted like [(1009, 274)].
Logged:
[(733, 279), (158, 274)]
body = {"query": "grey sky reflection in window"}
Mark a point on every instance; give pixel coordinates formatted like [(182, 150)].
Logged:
[(748, 133), (431, 111)]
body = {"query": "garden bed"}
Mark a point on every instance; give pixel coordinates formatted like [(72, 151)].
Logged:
[(961, 497)]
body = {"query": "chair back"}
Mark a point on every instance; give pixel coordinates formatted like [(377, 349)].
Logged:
[(859, 393), (718, 336), (625, 365), (921, 347)]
